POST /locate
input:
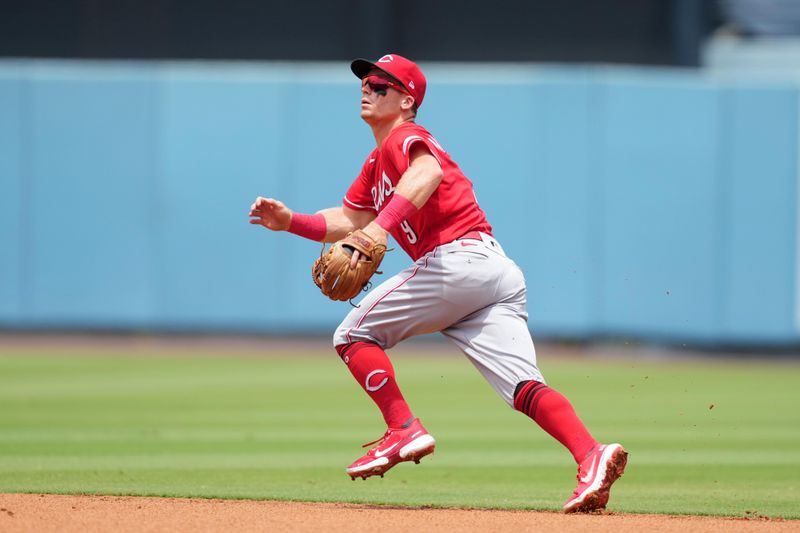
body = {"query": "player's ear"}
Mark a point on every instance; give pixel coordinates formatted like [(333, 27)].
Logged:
[(407, 102)]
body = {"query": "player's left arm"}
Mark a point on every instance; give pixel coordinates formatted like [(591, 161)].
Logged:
[(422, 178), (416, 185)]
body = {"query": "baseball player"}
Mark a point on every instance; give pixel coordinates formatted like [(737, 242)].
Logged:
[(461, 284)]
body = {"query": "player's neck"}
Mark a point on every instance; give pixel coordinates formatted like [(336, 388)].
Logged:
[(382, 130)]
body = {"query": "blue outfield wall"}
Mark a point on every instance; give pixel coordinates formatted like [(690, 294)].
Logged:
[(656, 204)]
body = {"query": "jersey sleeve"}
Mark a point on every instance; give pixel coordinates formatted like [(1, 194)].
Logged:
[(359, 195), (399, 152)]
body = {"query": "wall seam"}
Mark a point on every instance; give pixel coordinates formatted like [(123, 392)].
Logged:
[(156, 193), (726, 113), (598, 226), (797, 216), (26, 255)]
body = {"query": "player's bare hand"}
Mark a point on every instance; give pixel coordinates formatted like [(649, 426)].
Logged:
[(270, 213), (380, 235)]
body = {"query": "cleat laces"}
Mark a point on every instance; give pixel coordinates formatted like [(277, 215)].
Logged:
[(378, 441)]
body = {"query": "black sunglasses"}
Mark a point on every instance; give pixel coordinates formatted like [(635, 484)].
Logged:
[(381, 85)]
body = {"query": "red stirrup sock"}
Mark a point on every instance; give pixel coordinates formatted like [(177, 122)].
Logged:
[(553, 412), (371, 367)]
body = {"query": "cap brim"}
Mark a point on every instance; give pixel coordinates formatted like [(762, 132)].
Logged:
[(361, 67)]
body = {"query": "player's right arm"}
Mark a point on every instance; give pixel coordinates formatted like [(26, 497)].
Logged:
[(328, 225), (270, 213)]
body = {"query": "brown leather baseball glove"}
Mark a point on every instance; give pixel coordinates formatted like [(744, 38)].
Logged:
[(332, 272)]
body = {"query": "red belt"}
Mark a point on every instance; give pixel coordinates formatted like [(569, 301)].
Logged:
[(477, 235)]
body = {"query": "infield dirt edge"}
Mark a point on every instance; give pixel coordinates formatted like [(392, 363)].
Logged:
[(89, 513)]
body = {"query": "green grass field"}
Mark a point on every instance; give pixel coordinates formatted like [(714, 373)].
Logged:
[(285, 426)]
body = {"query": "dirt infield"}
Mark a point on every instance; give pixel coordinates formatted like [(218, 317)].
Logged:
[(87, 514)]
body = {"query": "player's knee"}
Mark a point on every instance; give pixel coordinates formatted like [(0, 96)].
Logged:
[(342, 349), (340, 337), (522, 390), (520, 385), (346, 351), (346, 333)]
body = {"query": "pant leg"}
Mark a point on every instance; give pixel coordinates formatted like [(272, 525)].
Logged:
[(497, 341), (496, 338)]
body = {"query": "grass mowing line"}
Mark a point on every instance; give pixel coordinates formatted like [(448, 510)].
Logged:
[(284, 427)]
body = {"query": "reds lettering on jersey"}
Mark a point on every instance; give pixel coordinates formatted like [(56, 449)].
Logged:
[(449, 213)]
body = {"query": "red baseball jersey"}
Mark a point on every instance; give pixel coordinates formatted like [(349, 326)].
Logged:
[(449, 213)]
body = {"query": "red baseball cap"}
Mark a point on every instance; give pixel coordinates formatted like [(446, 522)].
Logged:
[(403, 70)]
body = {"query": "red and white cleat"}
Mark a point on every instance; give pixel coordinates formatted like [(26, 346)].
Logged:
[(397, 445), (596, 474)]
